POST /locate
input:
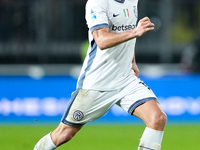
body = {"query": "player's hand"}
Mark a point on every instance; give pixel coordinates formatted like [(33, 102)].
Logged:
[(144, 25)]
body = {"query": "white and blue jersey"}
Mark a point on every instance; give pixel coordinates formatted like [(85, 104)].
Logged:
[(109, 69), (107, 77)]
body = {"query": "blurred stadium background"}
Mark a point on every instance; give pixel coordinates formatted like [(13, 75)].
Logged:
[(42, 45)]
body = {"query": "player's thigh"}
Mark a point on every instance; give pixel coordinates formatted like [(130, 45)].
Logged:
[(152, 114), (148, 111), (87, 105), (137, 94)]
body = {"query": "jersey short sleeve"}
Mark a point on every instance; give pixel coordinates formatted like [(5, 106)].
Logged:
[(96, 14)]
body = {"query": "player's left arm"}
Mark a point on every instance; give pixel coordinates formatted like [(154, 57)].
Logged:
[(105, 39), (135, 67)]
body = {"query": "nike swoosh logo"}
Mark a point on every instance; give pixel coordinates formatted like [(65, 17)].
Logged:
[(115, 15)]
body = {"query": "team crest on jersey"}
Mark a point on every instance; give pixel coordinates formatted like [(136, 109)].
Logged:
[(78, 115), (135, 11), (93, 14)]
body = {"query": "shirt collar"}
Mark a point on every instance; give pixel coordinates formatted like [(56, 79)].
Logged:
[(120, 1)]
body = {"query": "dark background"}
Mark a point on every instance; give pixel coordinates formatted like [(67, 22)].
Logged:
[(52, 31)]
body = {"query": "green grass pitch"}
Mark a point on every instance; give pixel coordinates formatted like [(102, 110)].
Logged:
[(98, 137)]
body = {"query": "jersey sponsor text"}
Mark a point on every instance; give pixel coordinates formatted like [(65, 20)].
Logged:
[(123, 27)]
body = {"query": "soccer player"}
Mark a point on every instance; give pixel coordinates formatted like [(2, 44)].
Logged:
[(110, 76)]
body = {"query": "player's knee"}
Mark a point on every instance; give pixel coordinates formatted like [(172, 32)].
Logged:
[(65, 137), (68, 133), (158, 121), (162, 119), (63, 134)]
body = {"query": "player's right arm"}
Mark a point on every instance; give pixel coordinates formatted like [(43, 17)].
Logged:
[(105, 39)]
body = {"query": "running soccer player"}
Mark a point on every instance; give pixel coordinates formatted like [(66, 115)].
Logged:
[(110, 76)]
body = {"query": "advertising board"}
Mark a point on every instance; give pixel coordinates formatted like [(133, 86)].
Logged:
[(27, 100)]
